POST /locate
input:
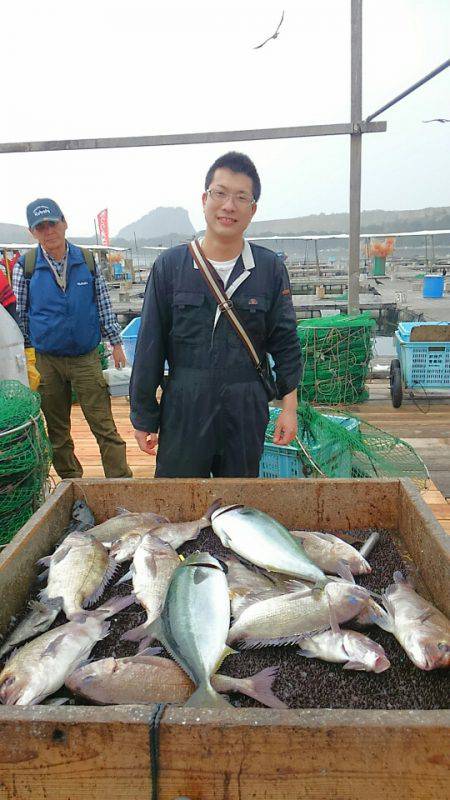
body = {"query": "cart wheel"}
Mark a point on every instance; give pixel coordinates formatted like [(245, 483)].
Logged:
[(395, 383)]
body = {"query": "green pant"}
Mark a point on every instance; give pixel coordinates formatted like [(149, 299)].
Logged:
[(83, 374)]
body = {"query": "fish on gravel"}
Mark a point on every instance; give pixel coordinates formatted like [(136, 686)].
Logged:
[(153, 565), (194, 624), (126, 522), (328, 552), (263, 541), (247, 586), (174, 533), (146, 679), (350, 648), (79, 570), (41, 666), (420, 628), (289, 618), (39, 619)]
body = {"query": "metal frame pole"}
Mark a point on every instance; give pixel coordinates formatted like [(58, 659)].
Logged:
[(355, 157)]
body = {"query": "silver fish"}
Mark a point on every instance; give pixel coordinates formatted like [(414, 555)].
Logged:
[(79, 570), (144, 679), (194, 623), (39, 619), (248, 586), (350, 648), (153, 565), (174, 533), (328, 551), (290, 617), (265, 542), (127, 522), (422, 630), (40, 667)]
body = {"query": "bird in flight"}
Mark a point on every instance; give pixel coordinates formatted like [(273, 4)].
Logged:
[(274, 35), (438, 119)]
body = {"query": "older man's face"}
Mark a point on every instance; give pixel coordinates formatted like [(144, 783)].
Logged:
[(50, 235)]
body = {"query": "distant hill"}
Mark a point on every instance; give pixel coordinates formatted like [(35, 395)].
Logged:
[(371, 221), (158, 223), (14, 233)]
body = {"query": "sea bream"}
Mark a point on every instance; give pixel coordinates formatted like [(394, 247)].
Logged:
[(328, 552), (145, 679), (154, 563), (265, 542), (247, 586), (38, 619), (194, 624), (289, 618), (79, 570), (40, 667), (420, 628), (126, 523), (174, 533), (350, 648)]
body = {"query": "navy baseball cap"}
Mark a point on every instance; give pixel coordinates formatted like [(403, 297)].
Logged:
[(43, 210)]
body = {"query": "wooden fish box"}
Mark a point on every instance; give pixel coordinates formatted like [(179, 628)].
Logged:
[(103, 753)]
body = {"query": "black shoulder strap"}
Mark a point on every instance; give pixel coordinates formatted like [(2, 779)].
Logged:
[(88, 256)]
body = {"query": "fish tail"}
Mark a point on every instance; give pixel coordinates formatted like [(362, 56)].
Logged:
[(212, 508), (112, 606), (136, 634), (259, 686), (207, 697)]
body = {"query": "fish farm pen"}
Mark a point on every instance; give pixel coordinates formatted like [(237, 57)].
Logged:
[(346, 735)]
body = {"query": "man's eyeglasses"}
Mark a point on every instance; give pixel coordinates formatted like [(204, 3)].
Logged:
[(241, 200)]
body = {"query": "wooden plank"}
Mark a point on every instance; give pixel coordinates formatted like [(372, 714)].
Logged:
[(242, 754)]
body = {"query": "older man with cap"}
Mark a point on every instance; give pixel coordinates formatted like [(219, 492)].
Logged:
[(64, 307)]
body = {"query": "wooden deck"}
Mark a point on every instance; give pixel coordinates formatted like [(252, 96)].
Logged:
[(428, 433)]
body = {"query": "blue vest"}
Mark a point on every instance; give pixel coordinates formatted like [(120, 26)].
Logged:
[(63, 323)]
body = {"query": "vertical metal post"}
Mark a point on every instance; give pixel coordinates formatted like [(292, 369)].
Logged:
[(355, 157)]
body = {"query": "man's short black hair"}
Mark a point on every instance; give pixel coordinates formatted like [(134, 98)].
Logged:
[(236, 162)]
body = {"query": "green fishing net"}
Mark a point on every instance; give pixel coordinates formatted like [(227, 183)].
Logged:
[(25, 457), (338, 446), (336, 353)]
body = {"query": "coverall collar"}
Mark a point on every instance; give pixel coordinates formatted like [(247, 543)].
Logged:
[(247, 256)]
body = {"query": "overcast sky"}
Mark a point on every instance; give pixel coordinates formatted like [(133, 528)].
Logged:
[(114, 68)]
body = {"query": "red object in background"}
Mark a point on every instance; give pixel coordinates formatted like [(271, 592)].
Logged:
[(7, 296), (11, 262), (102, 219)]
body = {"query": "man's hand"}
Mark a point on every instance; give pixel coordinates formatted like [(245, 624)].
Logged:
[(146, 441), (286, 427), (118, 356)]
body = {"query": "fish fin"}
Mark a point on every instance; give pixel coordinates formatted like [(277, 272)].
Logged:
[(207, 697), (44, 562), (150, 562), (249, 644), (293, 586), (429, 612), (55, 701), (121, 511), (303, 651), (146, 653), (344, 571), (43, 575), (304, 592), (334, 622), (114, 605), (212, 508), (399, 577), (259, 686), (54, 646), (60, 554), (357, 665), (127, 577), (109, 573), (136, 634)]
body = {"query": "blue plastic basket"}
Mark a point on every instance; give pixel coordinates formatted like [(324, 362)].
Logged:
[(424, 364), (129, 339), (284, 461)]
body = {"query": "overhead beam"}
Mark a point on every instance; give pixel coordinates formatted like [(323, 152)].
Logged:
[(210, 137)]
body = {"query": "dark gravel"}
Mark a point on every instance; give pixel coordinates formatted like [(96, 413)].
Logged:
[(311, 683)]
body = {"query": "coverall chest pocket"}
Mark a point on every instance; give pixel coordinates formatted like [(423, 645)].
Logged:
[(252, 311), (189, 316)]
